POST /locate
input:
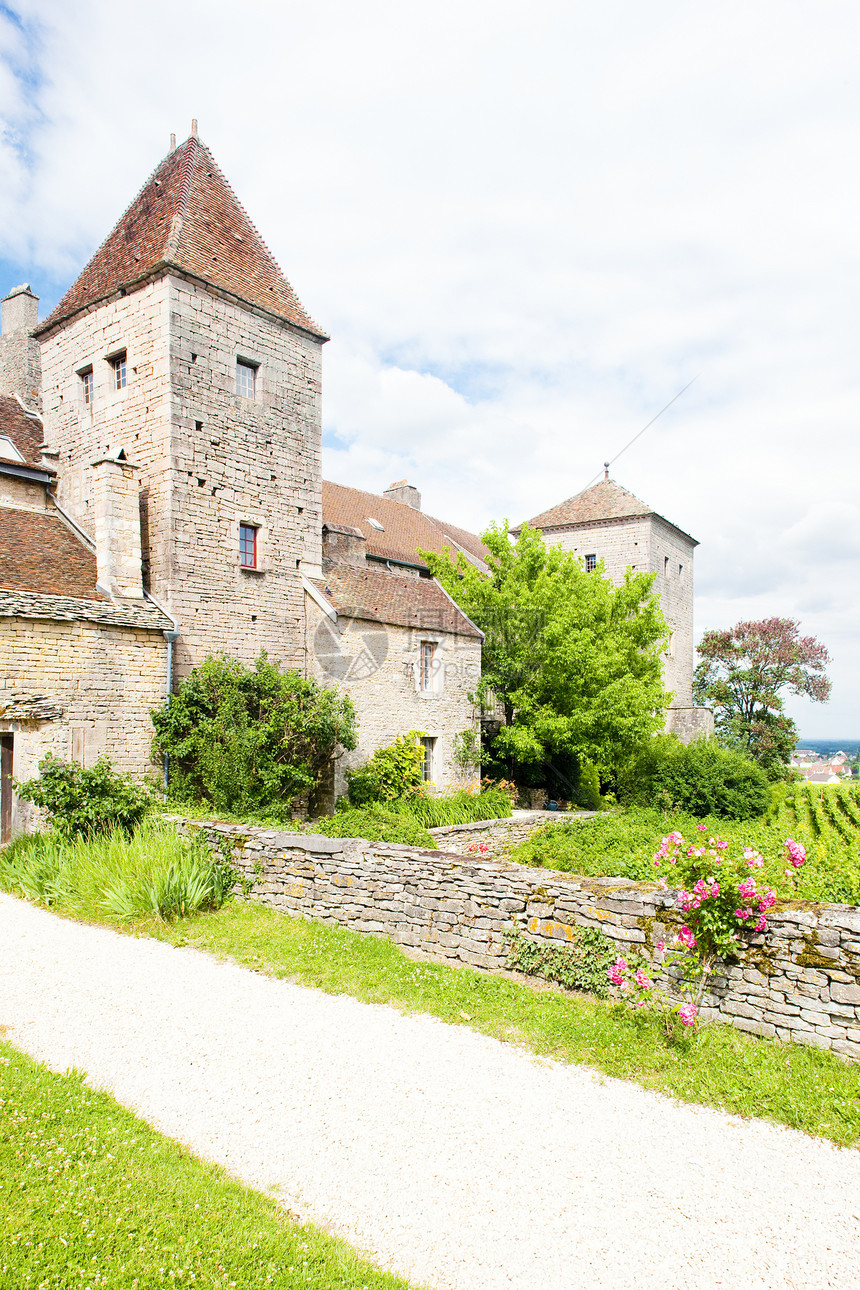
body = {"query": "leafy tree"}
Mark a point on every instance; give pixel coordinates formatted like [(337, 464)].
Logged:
[(743, 675), (573, 661), (250, 738)]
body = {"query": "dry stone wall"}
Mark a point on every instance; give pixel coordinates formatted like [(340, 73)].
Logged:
[(800, 981)]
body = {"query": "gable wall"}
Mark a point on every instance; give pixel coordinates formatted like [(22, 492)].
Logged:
[(377, 665)]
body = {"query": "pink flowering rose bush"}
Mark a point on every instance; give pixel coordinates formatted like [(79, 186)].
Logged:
[(721, 897)]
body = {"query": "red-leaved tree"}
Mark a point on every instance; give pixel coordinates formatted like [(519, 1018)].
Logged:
[(744, 674)]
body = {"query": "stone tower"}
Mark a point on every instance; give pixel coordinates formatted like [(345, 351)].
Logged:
[(606, 522), (183, 351)]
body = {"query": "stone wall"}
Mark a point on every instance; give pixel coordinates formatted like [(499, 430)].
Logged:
[(376, 663), (647, 544), (77, 689), (208, 459), (800, 981), (498, 836)]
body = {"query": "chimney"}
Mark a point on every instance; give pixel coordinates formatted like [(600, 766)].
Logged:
[(116, 520), (347, 545), (20, 310), (400, 491), (20, 355)]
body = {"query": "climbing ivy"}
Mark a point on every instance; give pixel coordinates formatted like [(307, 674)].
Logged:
[(582, 964)]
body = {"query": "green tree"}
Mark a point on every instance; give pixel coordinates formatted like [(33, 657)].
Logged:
[(250, 738), (744, 674), (573, 661)]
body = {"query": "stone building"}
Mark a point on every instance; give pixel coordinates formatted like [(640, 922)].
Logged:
[(605, 524), (160, 454), (83, 655), (386, 629)]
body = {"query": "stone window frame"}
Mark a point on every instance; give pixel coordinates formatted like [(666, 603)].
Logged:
[(247, 370), (119, 368), (249, 527), (590, 563), (435, 674), (429, 767), (88, 387)]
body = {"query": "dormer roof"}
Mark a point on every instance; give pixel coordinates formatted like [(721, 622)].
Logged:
[(23, 429), (186, 218), (602, 502)]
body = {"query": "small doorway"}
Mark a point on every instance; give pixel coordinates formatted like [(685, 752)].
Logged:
[(6, 752)]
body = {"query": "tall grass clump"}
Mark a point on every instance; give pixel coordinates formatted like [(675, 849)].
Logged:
[(153, 873), (461, 807)]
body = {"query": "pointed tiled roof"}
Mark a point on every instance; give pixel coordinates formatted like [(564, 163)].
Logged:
[(604, 501), (599, 503), (404, 531), (186, 217)]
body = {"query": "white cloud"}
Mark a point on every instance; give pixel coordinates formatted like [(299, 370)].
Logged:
[(526, 227)]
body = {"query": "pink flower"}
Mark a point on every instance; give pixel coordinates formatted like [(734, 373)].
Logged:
[(686, 937), (661, 945), (688, 1012), (664, 884), (746, 889), (761, 924), (642, 980), (796, 852), (640, 1003), (616, 972), (656, 860), (701, 827)]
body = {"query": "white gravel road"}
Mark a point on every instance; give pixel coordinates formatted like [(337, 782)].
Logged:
[(460, 1162)]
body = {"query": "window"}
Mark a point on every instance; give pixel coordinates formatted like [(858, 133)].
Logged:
[(425, 665), (428, 769), (87, 386), (680, 571), (665, 566), (590, 563), (246, 379), (247, 546), (375, 524), (120, 371)]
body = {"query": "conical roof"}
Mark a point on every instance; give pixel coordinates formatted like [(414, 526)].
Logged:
[(186, 217)]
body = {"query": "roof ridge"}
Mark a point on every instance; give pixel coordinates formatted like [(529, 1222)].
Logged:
[(171, 249)]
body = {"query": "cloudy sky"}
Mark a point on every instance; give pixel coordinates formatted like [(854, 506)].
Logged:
[(526, 227)]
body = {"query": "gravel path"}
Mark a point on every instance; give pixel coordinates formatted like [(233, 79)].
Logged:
[(460, 1162)]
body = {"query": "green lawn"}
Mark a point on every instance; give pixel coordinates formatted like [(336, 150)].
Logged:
[(93, 1197), (717, 1066)]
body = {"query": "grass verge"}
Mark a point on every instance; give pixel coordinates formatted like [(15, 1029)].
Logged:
[(93, 1197), (803, 1088)]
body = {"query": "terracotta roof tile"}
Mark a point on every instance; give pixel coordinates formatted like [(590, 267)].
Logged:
[(405, 530), (604, 501), (186, 217), (25, 432), (38, 553), (373, 594)]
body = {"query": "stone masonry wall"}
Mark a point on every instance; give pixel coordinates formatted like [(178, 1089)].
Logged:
[(208, 459), (800, 981), (376, 664), (645, 544), (99, 684)]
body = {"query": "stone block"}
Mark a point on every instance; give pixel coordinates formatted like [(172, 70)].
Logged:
[(840, 993)]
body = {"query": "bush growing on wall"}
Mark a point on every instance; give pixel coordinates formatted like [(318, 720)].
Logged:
[(250, 738), (702, 777), (82, 800)]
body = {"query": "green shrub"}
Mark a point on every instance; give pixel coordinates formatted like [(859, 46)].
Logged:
[(375, 824), (80, 800), (155, 872), (250, 739), (389, 773), (702, 778)]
